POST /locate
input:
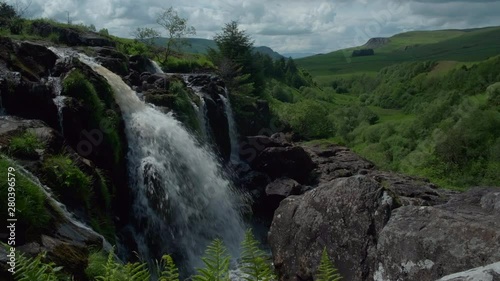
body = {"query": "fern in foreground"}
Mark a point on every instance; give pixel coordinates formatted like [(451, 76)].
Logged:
[(326, 269), (255, 263), (216, 262), (114, 271), (29, 269), (170, 271)]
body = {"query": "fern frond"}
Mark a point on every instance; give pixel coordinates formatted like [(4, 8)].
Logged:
[(255, 263), (111, 268), (136, 272), (216, 262), (170, 271), (326, 270), (29, 269)]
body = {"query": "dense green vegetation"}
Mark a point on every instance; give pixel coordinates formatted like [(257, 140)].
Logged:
[(445, 127)]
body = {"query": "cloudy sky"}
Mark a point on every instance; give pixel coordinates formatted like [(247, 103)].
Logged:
[(312, 26)]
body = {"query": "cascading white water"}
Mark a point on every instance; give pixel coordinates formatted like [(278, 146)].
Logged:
[(183, 200), (157, 68), (233, 133), (202, 111), (59, 100)]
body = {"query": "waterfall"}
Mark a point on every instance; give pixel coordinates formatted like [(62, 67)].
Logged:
[(233, 133), (59, 100), (202, 110), (157, 68), (182, 198)]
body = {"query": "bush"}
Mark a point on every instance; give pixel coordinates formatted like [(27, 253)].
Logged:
[(307, 118), (282, 94)]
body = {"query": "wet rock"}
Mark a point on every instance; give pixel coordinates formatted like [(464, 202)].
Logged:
[(219, 126), (252, 146), (141, 64), (292, 162), (335, 161), (71, 36)]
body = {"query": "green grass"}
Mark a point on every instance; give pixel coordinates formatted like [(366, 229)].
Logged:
[(67, 180), (31, 202), (390, 115), (444, 45), (25, 145)]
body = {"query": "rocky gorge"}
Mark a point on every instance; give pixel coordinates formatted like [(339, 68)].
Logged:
[(375, 225)]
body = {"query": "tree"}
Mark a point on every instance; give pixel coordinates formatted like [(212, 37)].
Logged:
[(177, 29), (235, 51), (234, 43), (148, 36)]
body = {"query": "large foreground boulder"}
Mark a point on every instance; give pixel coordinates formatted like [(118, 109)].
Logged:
[(426, 243), (385, 226), (343, 216)]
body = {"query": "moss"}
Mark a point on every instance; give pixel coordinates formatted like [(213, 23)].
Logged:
[(67, 180), (183, 107), (100, 213), (100, 103), (178, 99), (25, 145), (31, 202)]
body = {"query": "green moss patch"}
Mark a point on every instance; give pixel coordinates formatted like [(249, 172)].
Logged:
[(31, 202), (25, 145)]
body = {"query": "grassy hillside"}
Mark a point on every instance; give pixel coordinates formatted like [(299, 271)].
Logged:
[(447, 45)]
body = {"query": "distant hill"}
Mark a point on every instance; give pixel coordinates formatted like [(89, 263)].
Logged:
[(442, 45), (297, 55), (268, 51), (200, 46)]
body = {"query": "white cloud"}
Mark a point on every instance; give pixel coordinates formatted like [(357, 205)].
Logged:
[(286, 26)]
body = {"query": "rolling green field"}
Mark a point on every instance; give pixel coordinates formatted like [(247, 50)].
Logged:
[(444, 45)]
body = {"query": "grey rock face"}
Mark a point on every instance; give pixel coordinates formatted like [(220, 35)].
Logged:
[(484, 273)]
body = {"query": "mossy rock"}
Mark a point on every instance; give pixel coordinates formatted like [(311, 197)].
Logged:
[(72, 257)]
